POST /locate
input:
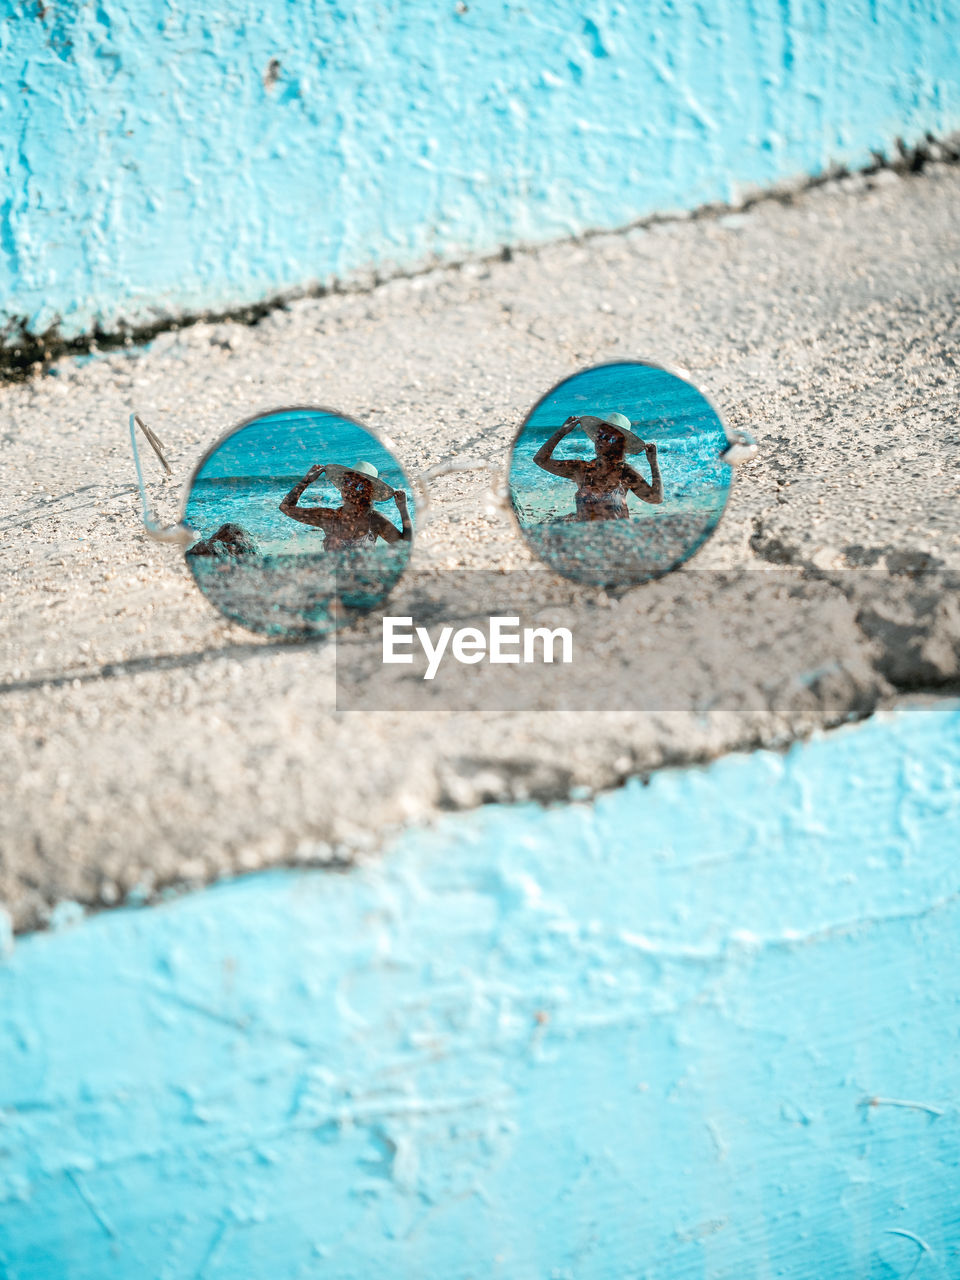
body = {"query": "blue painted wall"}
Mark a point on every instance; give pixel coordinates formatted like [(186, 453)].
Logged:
[(706, 1028), (157, 157)]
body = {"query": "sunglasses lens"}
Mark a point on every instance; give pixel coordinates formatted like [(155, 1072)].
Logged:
[(616, 477), (303, 522)]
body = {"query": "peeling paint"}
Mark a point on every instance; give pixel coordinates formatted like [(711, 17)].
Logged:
[(159, 162), (705, 1027)]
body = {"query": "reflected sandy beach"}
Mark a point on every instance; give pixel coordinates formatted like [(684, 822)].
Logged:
[(299, 595), (622, 552)]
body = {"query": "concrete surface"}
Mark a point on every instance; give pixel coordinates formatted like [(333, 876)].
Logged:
[(146, 743), (156, 159), (703, 1029)]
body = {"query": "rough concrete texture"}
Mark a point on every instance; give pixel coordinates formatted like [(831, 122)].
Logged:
[(158, 158), (145, 742)]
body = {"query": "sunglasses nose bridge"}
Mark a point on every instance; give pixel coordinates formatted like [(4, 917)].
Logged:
[(497, 493)]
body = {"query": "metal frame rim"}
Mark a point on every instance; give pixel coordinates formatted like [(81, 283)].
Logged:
[(675, 371)]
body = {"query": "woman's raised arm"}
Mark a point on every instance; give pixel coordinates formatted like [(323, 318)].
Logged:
[(569, 468), (649, 492), (317, 516), (389, 532)]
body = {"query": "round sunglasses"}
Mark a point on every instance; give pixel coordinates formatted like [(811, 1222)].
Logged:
[(299, 520)]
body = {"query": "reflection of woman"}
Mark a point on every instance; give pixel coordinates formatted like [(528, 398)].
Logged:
[(355, 523), (604, 481)]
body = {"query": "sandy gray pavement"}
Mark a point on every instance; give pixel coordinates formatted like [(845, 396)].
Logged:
[(144, 742)]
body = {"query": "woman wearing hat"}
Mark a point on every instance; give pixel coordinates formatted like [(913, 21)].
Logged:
[(355, 523), (603, 481)]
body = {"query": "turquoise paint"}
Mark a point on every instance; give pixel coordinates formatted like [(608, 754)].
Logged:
[(157, 158), (633, 1038)]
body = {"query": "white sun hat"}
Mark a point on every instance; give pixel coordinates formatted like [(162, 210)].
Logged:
[(336, 474), (592, 425)]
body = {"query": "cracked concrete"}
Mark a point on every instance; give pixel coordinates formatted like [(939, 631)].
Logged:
[(146, 743)]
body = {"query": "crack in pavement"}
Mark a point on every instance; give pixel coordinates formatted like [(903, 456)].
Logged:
[(145, 743)]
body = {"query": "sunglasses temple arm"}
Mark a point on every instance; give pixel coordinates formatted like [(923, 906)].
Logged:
[(180, 534)]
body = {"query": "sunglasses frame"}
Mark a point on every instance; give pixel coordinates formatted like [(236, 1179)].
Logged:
[(741, 448)]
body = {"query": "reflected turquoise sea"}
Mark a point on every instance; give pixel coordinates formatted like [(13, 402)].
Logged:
[(689, 437), (292, 585)]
